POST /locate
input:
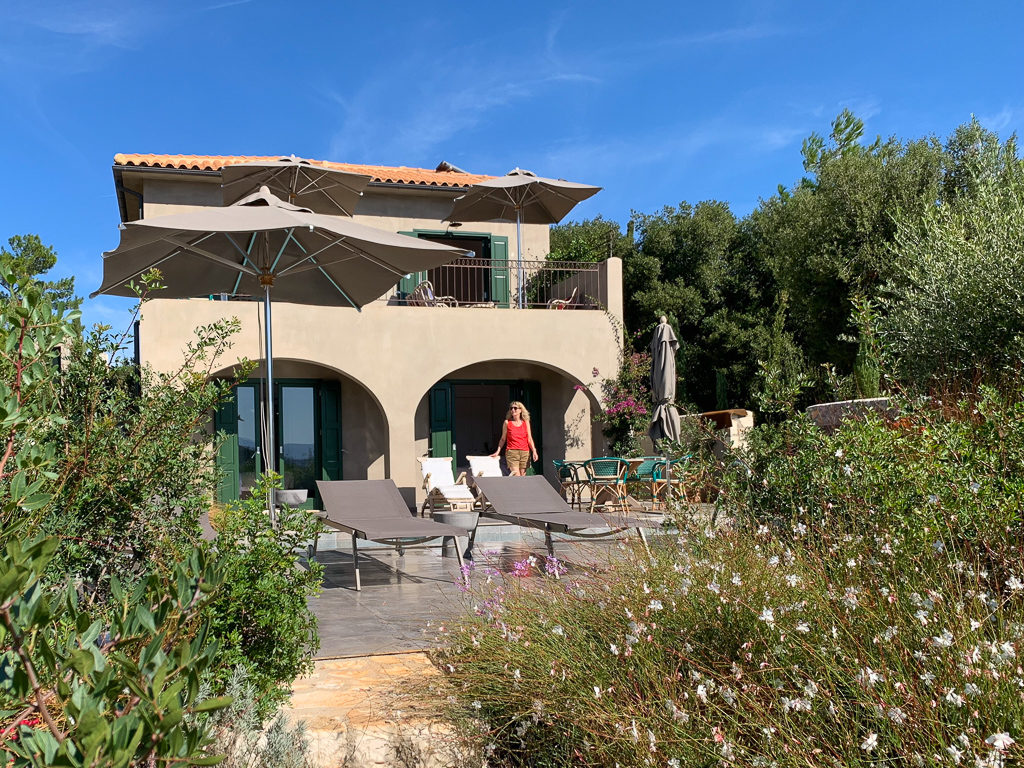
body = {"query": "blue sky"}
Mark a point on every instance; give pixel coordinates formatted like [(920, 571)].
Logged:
[(656, 102)]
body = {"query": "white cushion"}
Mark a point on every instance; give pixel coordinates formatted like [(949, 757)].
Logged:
[(484, 466), (440, 471), (455, 492)]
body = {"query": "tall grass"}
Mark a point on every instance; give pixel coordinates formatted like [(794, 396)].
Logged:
[(866, 607)]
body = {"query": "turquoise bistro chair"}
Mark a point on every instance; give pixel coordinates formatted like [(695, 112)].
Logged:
[(607, 479)]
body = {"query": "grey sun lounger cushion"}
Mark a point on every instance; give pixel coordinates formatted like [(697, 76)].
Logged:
[(375, 510), (533, 502)]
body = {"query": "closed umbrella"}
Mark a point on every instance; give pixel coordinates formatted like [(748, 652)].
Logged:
[(262, 245), (522, 197), (665, 419), (318, 187)]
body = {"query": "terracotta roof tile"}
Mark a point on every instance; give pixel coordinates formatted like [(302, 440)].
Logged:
[(380, 173)]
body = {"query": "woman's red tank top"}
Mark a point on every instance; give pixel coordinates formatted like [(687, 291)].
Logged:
[(516, 440)]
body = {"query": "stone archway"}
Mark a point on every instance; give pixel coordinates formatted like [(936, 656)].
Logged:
[(478, 395)]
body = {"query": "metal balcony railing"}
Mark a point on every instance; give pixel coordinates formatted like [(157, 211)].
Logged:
[(491, 282)]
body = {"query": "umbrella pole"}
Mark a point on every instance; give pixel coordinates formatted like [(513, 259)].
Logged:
[(519, 261), (271, 458)]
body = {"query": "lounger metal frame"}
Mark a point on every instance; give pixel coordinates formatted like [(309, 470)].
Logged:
[(553, 515), (374, 510)]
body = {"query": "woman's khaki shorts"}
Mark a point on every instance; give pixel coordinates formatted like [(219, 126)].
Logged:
[(517, 460)]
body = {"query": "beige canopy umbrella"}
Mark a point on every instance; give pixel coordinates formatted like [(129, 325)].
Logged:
[(665, 419), (523, 197), (318, 187), (262, 245)]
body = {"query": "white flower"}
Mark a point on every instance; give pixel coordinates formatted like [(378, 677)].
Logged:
[(614, 649), (847, 470), (702, 693), (954, 698), (477, 705), (516, 674), (938, 546), (713, 586), (557, 630), (1000, 741), (897, 715), (792, 579), (655, 605), (975, 487), (933, 499), (597, 692), (767, 616), (870, 742), (945, 640), (868, 677), (972, 690), (956, 753), (737, 580), (1014, 584), (839, 453), (802, 627), (674, 763)]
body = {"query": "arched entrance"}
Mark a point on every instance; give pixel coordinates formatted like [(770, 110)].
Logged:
[(312, 403), (461, 414)]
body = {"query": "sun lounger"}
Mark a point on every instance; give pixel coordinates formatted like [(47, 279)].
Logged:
[(444, 492), (483, 466), (374, 510), (531, 502)]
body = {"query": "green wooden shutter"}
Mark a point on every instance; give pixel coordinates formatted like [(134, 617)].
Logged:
[(225, 421), (330, 430), (441, 418), (406, 284), (499, 274), (528, 393)]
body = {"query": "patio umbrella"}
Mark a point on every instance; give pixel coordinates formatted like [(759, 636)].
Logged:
[(665, 419), (302, 182), (522, 197), (263, 245)]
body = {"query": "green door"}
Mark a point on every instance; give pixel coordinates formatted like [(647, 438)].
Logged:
[(528, 393), (330, 430), (499, 274), (441, 417), (226, 421)]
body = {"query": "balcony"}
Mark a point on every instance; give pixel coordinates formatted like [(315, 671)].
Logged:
[(475, 282)]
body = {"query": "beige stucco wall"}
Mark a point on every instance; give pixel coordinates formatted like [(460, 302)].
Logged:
[(388, 357)]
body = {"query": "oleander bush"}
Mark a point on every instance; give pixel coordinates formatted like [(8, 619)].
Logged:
[(865, 606)]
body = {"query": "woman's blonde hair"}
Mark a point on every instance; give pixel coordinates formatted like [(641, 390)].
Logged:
[(523, 413)]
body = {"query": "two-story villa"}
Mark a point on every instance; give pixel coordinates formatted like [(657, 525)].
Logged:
[(361, 394)]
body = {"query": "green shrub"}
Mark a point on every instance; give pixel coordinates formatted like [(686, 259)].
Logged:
[(261, 615), (953, 310), (866, 606), (77, 690)]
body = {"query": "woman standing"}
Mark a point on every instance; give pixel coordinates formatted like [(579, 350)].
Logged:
[(517, 438)]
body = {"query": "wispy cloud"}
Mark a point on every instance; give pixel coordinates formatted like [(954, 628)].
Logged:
[(227, 4), (1001, 120)]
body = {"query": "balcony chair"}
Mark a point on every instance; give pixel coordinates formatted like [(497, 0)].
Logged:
[(444, 491), (564, 303), (607, 479), (423, 296)]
